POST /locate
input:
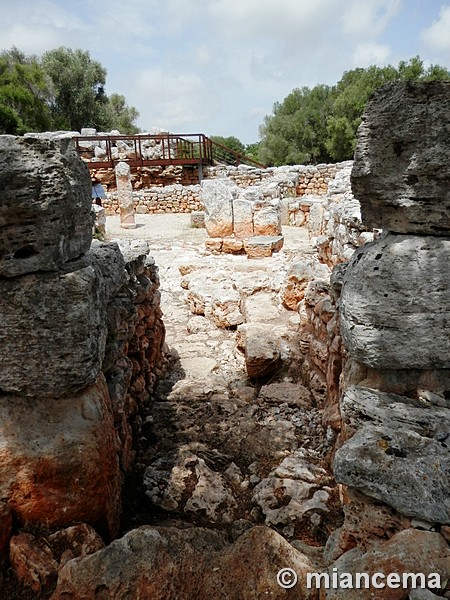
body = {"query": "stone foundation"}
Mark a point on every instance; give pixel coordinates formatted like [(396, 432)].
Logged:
[(82, 341)]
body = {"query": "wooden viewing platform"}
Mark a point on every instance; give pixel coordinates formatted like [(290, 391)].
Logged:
[(195, 150)]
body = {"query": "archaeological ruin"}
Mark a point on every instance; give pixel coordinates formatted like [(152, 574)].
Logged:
[(233, 386)]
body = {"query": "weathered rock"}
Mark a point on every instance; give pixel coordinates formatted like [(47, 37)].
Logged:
[(46, 214), (243, 218), (225, 308), (410, 551), (56, 318), (294, 394), (401, 172), (100, 220), (183, 481), (295, 493), (80, 539), (169, 564), (232, 245), (398, 467), (214, 244), (262, 307), (267, 218), (263, 246), (125, 195), (5, 529), (360, 406), (217, 199), (298, 277), (32, 562), (262, 350), (366, 521), (396, 292), (58, 459)]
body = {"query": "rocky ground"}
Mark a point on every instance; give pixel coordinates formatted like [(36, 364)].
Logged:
[(218, 448)]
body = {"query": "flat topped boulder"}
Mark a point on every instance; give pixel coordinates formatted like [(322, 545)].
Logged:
[(262, 246), (46, 213), (401, 172)]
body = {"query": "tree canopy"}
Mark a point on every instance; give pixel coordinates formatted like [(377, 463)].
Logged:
[(64, 89), (320, 124)]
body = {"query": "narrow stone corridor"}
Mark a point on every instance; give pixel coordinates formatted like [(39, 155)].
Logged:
[(217, 448)]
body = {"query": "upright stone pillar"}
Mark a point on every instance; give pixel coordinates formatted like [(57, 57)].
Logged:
[(125, 196)]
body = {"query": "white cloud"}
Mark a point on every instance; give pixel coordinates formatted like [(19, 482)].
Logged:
[(173, 102), (368, 18), (437, 36), (371, 53), (39, 26)]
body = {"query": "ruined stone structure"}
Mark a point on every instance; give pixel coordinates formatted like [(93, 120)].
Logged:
[(175, 191), (306, 421), (81, 337), (238, 220), (382, 326)]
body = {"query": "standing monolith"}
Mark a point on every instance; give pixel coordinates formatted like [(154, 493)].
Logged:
[(125, 195)]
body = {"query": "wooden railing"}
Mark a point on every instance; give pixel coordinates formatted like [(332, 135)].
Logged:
[(100, 152)]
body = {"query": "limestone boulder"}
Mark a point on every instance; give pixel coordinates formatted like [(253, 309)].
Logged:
[(32, 562), (267, 218), (169, 563), (262, 349), (224, 309), (243, 218), (46, 216), (401, 172), (263, 246), (54, 320), (399, 452), (394, 303), (297, 279), (217, 198), (296, 493), (58, 459), (409, 551)]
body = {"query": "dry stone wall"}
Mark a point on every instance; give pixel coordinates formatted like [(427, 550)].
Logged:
[(375, 337), (81, 337), (158, 193)]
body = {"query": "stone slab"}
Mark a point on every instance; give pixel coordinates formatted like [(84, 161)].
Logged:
[(46, 216)]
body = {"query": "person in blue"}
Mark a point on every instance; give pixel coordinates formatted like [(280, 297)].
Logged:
[(98, 192)]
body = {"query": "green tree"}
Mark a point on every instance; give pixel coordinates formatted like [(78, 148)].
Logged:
[(78, 88), (320, 124), (24, 94), (231, 142), (252, 150), (296, 132), (116, 114)]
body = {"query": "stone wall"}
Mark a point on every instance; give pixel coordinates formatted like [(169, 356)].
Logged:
[(376, 337), (159, 200), (82, 343), (176, 189)]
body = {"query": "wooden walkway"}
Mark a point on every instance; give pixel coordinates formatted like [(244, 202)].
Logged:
[(104, 152)]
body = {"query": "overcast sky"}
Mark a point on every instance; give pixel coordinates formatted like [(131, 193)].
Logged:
[(217, 66)]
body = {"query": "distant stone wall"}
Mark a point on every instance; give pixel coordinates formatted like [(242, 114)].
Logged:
[(299, 180), (176, 190), (159, 200)]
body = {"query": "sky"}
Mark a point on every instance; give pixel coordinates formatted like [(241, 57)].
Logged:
[(218, 66)]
